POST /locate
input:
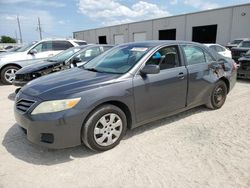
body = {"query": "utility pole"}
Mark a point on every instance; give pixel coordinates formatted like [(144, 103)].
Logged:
[(16, 37), (39, 28), (20, 32)]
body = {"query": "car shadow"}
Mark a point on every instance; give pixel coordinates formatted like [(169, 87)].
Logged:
[(16, 143), (241, 80)]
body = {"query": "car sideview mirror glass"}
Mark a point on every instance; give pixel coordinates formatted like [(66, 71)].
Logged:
[(150, 69), (33, 51)]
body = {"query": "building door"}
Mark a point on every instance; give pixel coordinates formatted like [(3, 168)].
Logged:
[(140, 36), (102, 40), (167, 34), (205, 34), (119, 39)]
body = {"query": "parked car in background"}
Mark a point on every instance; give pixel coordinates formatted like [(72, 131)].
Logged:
[(129, 85), (42, 49), (2, 51), (244, 66), (220, 49), (240, 50), (14, 49), (235, 43), (72, 57)]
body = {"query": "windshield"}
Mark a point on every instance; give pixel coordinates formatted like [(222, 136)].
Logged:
[(245, 44), (64, 55), (25, 47), (118, 60)]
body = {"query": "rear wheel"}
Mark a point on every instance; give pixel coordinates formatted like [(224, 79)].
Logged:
[(218, 95), (104, 128), (8, 74)]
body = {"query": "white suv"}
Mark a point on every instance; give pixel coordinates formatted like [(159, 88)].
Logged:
[(42, 49)]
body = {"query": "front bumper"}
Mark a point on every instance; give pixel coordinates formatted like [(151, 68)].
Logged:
[(19, 83), (245, 74), (53, 130)]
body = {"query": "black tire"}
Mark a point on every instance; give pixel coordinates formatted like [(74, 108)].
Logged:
[(88, 135), (218, 96), (5, 69)]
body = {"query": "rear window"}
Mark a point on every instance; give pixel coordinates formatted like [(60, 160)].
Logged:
[(245, 44), (105, 48), (236, 41), (80, 43), (61, 45)]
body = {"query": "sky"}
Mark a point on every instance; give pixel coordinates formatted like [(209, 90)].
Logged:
[(60, 18)]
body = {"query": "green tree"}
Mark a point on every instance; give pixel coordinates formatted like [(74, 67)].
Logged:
[(7, 39)]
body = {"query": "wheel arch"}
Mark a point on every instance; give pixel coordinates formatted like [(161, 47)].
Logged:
[(118, 104), (10, 64), (224, 79)]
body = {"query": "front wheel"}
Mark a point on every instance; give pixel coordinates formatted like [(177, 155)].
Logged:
[(218, 96), (104, 128), (8, 74)]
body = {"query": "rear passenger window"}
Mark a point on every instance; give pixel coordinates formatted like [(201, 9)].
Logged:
[(61, 45), (219, 49), (194, 55), (208, 57), (43, 47), (166, 58), (89, 53)]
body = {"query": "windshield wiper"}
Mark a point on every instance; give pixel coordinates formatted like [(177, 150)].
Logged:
[(92, 69), (51, 60)]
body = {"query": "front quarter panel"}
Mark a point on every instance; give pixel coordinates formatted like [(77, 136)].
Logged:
[(119, 91)]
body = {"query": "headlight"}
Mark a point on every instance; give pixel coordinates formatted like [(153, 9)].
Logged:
[(55, 106)]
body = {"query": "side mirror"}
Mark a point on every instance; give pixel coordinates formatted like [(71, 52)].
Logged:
[(75, 60), (33, 51), (150, 69)]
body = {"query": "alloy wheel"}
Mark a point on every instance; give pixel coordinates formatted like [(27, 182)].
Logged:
[(9, 75)]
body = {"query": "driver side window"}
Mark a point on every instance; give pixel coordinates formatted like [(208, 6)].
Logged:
[(166, 58)]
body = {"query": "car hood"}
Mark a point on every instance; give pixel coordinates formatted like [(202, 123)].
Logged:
[(39, 65), (67, 82)]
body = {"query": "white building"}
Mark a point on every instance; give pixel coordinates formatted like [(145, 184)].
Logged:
[(211, 26)]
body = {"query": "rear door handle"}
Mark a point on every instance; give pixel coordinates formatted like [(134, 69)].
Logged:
[(181, 75)]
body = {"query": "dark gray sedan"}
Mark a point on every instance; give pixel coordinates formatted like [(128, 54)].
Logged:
[(125, 87)]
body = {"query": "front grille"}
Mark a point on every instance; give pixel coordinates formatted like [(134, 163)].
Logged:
[(23, 105), (23, 77)]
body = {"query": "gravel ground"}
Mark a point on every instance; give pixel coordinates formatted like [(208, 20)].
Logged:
[(197, 148)]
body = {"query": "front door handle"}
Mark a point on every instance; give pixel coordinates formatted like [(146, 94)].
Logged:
[(181, 75)]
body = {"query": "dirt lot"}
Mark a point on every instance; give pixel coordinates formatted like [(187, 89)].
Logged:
[(197, 148)]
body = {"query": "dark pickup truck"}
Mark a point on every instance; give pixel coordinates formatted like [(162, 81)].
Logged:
[(240, 50)]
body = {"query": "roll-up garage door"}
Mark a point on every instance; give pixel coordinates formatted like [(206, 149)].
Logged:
[(119, 39), (139, 36)]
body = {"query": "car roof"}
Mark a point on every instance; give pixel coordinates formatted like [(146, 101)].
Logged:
[(92, 45), (154, 43)]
